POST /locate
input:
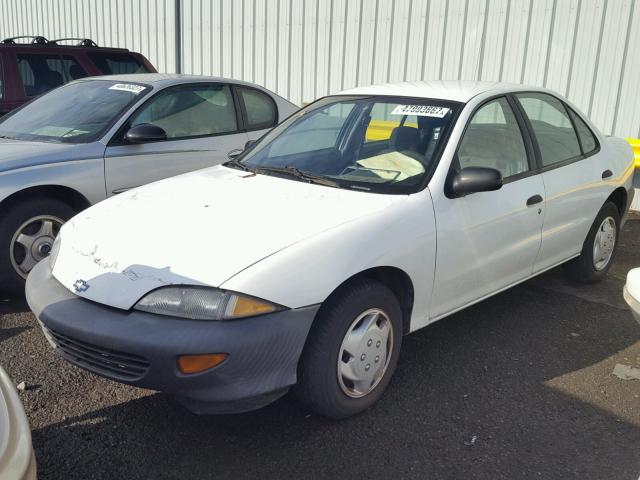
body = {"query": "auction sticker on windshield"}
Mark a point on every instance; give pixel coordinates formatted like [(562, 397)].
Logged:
[(420, 110), (127, 87)]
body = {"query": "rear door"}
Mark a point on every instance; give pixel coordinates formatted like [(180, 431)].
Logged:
[(202, 124), (572, 172)]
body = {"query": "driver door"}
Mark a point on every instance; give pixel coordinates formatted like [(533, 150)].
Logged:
[(487, 241), (202, 127)]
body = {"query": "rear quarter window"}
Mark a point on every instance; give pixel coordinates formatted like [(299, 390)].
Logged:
[(587, 138), (114, 63), (42, 72)]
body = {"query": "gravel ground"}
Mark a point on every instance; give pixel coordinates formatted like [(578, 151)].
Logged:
[(519, 386)]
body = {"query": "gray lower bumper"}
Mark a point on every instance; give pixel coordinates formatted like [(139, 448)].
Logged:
[(141, 349)]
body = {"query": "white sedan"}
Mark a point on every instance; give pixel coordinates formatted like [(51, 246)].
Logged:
[(632, 292), (365, 216), (17, 461)]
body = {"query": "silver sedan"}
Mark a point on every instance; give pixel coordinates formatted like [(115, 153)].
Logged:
[(97, 137)]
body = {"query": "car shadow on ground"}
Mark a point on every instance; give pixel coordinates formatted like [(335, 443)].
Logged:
[(480, 395)]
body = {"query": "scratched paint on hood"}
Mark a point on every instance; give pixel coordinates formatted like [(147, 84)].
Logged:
[(200, 228)]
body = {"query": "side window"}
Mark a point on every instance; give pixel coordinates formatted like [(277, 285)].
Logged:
[(587, 138), (552, 127), (383, 123), (260, 108), (190, 111), (317, 130), (493, 140), (1, 80), (117, 63), (41, 73)]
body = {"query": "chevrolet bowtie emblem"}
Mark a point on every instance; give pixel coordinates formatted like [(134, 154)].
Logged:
[(80, 286)]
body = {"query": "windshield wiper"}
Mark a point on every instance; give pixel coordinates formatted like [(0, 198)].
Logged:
[(237, 164), (301, 174)]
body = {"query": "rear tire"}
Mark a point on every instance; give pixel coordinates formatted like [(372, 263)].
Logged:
[(599, 248), (27, 231), (352, 350)]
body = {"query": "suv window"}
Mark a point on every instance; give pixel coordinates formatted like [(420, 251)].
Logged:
[(587, 138), (190, 111), (552, 127), (493, 140), (260, 108), (114, 63), (43, 72)]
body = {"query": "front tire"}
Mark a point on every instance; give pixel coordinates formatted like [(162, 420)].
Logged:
[(599, 247), (352, 351), (27, 231)]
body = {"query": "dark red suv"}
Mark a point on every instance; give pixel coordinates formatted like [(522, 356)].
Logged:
[(32, 68)]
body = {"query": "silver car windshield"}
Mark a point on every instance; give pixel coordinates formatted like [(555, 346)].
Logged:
[(379, 144), (78, 112)]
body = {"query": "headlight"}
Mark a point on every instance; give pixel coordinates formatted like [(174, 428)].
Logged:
[(53, 254), (203, 303)]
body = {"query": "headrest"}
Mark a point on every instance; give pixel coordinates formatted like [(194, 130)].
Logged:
[(404, 138)]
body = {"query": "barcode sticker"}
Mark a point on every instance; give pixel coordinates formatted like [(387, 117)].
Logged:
[(127, 87), (420, 110)]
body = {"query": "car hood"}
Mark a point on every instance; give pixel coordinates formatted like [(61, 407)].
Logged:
[(16, 154), (200, 228)]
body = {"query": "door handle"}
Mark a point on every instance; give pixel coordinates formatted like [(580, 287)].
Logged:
[(534, 200), (122, 190), (607, 174)]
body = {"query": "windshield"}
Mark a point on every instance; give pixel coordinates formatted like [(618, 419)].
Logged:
[(74, 113), (379, 144)]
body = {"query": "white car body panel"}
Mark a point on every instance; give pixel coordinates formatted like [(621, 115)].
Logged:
[(632, 292), (400, 234), (293, 243), (17, 460), (486, 241)]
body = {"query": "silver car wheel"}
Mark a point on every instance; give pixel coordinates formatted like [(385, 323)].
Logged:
[(604, 243), (365, 353), (32, 242)]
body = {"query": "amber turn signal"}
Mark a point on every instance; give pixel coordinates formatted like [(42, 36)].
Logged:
[(200, 363)]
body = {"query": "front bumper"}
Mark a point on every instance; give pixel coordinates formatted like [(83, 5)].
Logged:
[(141, 349)]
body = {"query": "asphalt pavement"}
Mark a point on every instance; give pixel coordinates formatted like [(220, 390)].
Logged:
[(519, 386)]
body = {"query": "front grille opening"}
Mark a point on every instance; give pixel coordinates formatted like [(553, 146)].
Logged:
[(104, 361)]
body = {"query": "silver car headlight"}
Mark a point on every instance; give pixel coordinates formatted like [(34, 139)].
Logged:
[(203, 303), (53, 254)]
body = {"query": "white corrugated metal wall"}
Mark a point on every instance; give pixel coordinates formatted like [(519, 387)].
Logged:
[(588, 50)]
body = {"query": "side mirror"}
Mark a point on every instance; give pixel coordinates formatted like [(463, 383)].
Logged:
[(474, 179), (144, 133)]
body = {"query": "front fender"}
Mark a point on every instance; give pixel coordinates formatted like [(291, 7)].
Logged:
[(402, 236), (84, 176)]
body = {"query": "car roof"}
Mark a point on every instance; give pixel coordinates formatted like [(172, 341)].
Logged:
[(160, 80), (454, 90)]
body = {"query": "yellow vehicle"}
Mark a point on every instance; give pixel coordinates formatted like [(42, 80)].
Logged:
[(635, 144)]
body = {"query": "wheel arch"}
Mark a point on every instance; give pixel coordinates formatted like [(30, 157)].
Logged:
[(619, 198), (68, 195), (394, 278)]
